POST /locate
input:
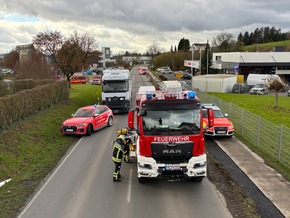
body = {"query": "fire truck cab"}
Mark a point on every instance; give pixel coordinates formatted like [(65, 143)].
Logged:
[(169, 136)]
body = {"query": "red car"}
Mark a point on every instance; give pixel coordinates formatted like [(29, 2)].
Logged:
[(143, 70), (88, 119), (222, 125), (96, 80)]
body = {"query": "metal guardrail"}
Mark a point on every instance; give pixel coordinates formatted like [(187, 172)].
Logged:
[(270, 138)]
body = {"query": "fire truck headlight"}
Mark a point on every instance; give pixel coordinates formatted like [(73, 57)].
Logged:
[(143, 165), (198, 165)]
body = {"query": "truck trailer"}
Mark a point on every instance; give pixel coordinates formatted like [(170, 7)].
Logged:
[(169, 136), (116, 89)]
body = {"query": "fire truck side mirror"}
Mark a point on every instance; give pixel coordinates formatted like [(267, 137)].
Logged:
[(210, 118), (131, 119)]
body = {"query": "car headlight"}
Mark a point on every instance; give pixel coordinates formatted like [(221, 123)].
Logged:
[(81, 124)]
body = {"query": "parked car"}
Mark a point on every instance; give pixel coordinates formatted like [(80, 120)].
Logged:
[(162, 68), (186, 76), (288, 93), (166, 71), (240, 88), (88, 119), (79, 79), (259, 89), (222, 125), (96, 80)]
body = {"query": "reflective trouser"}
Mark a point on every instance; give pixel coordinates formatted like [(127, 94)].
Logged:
[(116, 174)]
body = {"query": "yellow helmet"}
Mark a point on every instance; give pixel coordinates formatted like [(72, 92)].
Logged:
[(122, 131)]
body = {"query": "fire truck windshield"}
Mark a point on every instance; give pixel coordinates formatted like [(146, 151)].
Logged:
[(171, 122), (115, 85)]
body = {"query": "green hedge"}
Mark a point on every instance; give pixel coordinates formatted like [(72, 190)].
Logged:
[(8, 87), (17, 106)]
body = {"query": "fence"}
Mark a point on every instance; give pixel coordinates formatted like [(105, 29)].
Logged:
[(270, 138)]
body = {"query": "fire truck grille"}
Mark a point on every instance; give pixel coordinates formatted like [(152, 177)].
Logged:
[(174, 153)]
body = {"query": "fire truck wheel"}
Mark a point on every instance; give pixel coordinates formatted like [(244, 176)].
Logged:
[(143, 179)]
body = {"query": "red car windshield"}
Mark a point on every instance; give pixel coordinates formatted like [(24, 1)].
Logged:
[(217, 114), (84, 113)]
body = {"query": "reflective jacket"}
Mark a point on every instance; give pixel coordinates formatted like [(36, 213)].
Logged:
[(118, 150)]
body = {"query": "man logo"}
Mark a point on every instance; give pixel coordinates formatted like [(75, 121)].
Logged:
[(172, 151)]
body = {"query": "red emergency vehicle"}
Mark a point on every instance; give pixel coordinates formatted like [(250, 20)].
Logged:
[(169, 136)]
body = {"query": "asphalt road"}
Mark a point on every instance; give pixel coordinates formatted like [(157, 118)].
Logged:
[(82, 186)]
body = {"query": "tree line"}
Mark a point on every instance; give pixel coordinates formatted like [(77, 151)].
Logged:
[(263, 35)]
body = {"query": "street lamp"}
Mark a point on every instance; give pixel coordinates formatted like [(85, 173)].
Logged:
[(191, 65), (173, 61)]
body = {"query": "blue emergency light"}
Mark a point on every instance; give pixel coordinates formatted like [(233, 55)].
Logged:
[(191, 94), (149, 96)]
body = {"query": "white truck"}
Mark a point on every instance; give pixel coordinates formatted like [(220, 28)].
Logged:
[(116, 89)]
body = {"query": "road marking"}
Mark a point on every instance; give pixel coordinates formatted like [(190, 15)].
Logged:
[(45, 184), (129, 186)]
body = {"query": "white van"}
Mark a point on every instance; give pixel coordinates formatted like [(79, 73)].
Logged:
[(254, 79), (170, 86)]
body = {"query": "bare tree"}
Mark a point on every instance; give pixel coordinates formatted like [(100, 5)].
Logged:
[(276, 84), (224, 42), (87, 45), (69, 59), (11, 59), (153, 50), (36, 67), (70, 55), (48, 43)]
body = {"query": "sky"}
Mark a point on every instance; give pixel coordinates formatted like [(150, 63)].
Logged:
[(134, 25)]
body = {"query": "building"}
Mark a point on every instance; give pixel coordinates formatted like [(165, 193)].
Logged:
[(143, 59), (25, 51), (244, 63)]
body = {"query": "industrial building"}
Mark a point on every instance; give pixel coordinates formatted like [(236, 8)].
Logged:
[(245, 63)]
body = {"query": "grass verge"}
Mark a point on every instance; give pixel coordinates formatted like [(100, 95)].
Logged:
[(263, 106), (30, 150)]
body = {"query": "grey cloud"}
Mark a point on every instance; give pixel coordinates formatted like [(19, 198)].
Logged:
[(157, 19)]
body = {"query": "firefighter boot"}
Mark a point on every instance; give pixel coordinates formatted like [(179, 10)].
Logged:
[(116, 177)]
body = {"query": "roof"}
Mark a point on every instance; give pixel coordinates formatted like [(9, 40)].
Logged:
[(253, 57)]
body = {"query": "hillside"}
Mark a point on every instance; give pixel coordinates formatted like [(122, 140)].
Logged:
[(265, 47)]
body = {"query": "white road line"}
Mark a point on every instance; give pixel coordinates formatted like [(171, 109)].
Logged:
[(129, 186), (45, 184)]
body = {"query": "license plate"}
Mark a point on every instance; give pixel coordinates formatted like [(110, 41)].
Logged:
[(69, 130), (221, 131), (172, 168)]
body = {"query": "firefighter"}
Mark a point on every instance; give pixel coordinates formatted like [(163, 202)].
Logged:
[(118, 151), (128, 143)]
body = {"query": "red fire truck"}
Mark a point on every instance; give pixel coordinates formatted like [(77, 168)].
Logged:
[(169, 136)]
